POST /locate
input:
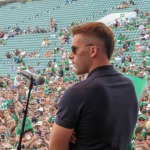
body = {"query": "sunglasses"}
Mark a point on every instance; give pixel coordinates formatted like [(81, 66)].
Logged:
[(141, 120), (75, 48)]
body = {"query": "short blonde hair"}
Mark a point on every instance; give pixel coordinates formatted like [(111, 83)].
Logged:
[(98, 30)]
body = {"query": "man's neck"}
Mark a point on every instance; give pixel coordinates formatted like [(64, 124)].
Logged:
[(104, 63)]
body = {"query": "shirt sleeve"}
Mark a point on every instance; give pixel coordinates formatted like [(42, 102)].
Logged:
[(71, 107)]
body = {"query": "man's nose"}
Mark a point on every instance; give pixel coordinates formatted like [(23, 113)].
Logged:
[(71, 56)]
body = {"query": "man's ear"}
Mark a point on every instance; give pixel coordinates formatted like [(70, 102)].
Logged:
[(93, 51)]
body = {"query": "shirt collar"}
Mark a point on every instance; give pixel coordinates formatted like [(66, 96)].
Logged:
[(101, 68)]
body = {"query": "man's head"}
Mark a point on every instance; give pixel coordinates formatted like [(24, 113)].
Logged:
[(142, 120), (22, 91), (24, 103), (92, 46), (10, 123), (6, 113), (51, 121), (147, 139), (145, 112), (47, 136), (2, 129), (46, 110), (11, 108), (34, 105), (143, 106), (45, 128), (12, 139), (139, 142), (10, 94), (43, 147), (138, 131), (22, 83)]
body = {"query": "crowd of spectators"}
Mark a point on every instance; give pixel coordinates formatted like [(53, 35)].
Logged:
[(42, 105), (34, 54), (16, 30), (18, 55), (64, 36), (124, 4), (5, 2), (56, 51), (133, 24), (5, 35)]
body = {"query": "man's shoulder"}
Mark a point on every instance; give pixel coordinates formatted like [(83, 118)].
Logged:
[(94, 80), (77, 87), (80, 85), (76, 91), (126, 78)]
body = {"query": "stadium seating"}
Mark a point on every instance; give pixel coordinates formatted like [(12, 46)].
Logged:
[(38, 13)]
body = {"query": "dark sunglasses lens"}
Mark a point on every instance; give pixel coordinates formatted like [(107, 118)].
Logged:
[(141, 120), (73, 49)]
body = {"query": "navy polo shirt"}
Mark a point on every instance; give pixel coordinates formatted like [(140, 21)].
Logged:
[(102, 110)]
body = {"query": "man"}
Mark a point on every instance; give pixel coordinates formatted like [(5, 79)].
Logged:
[(3, 129), (61, 72), (147, 139), (34, 105), (8, 55), (142, 121), (13, 112), (139, 142), (138, 132), (10, 123), (12, 141), (101, 110), (143, 106)]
